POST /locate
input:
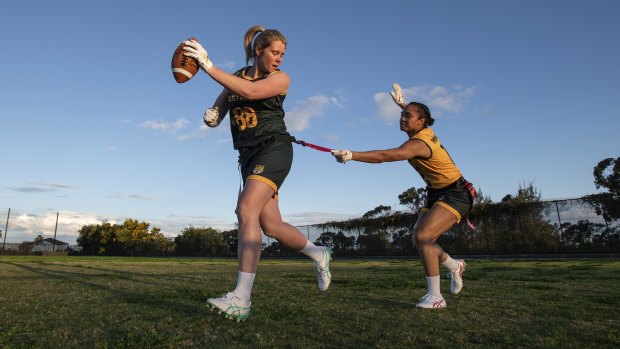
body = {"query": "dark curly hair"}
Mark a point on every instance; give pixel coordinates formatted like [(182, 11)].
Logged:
[(424, 113)]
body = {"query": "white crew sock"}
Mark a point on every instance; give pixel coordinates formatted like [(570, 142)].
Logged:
[(313, 251), (451, 264), (244, 286), (432, 283)]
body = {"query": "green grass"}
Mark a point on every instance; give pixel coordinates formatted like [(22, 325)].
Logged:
[(92, 302)]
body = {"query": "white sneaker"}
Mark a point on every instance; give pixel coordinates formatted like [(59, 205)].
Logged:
[(322, 269), (456, 283), (429, 301), (230, 305)]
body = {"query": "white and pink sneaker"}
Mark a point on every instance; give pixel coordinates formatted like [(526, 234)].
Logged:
[(456, 277), (429, 301)]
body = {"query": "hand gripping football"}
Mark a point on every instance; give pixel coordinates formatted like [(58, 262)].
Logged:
[(183, 67)]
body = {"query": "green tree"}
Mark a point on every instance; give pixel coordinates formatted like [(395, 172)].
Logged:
[(98, 239), (402, 242), (341, 244), (277, 249), (578, 237), (25, 247), (526, 226), (326, 239), (271, 250), (413, 198), (374, 240), (232, 241), (485, 238), (608, 176), (130, 238), (137, 239), (201, 242), (379, 211)]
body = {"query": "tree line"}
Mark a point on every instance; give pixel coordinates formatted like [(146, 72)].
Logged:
[(517, 224)]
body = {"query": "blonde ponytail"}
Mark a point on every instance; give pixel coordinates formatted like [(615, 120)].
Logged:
[(264, 38)]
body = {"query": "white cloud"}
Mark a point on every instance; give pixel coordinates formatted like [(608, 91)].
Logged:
[(174, 225), (143, 197), (42, 187), (173, 129), (386, 108), (438, 98), (55, 185), (311, 218), (118, 195), (26, 226), (228, 64), (298, 118), (33, 190), (69, 223), (165, 126), (202, 131)]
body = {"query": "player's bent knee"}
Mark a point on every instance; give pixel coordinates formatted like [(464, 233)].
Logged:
[(421, 239), (244, 211)]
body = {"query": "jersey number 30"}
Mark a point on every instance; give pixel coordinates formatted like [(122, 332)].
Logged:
[(245, 117)]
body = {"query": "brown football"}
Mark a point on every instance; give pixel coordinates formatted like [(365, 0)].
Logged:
[(183, 67)]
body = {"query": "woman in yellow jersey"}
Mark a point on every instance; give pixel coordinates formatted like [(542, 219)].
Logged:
[(448, 198), (254, 96)]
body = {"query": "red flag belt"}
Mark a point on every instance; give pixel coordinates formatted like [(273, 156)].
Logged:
[(473, 194), (313, 146)]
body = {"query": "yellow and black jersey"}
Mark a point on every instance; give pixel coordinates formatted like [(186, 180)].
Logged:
[(253, 121), (438, 170)]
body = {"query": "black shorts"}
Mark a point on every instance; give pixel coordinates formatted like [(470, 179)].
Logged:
[(269, 164), (455, 198)]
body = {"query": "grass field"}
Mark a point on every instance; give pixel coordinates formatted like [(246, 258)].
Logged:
[(93, 302)]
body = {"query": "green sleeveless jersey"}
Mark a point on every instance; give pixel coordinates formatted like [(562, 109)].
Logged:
[(253, 121)]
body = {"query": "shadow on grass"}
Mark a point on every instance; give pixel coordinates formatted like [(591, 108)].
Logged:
[(189, 302)]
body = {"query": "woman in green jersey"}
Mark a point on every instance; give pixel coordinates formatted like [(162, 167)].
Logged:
[(448, 196), (253, 97)]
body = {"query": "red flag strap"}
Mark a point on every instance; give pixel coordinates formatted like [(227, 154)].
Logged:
[(313, 146), (472, 196)]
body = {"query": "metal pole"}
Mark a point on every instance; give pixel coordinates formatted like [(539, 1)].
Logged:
[(561, 230), (6, 227), (55, 230)]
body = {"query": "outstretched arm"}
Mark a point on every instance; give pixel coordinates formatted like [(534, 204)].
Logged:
[(410, 149)]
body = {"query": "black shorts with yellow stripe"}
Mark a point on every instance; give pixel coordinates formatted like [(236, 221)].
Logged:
[(269, 164), (455, 198)]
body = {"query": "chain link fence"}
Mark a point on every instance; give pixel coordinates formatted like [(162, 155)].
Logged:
[(583, 225), (572, 226)]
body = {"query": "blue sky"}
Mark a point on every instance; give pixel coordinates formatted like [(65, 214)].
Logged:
[(94, 126)]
